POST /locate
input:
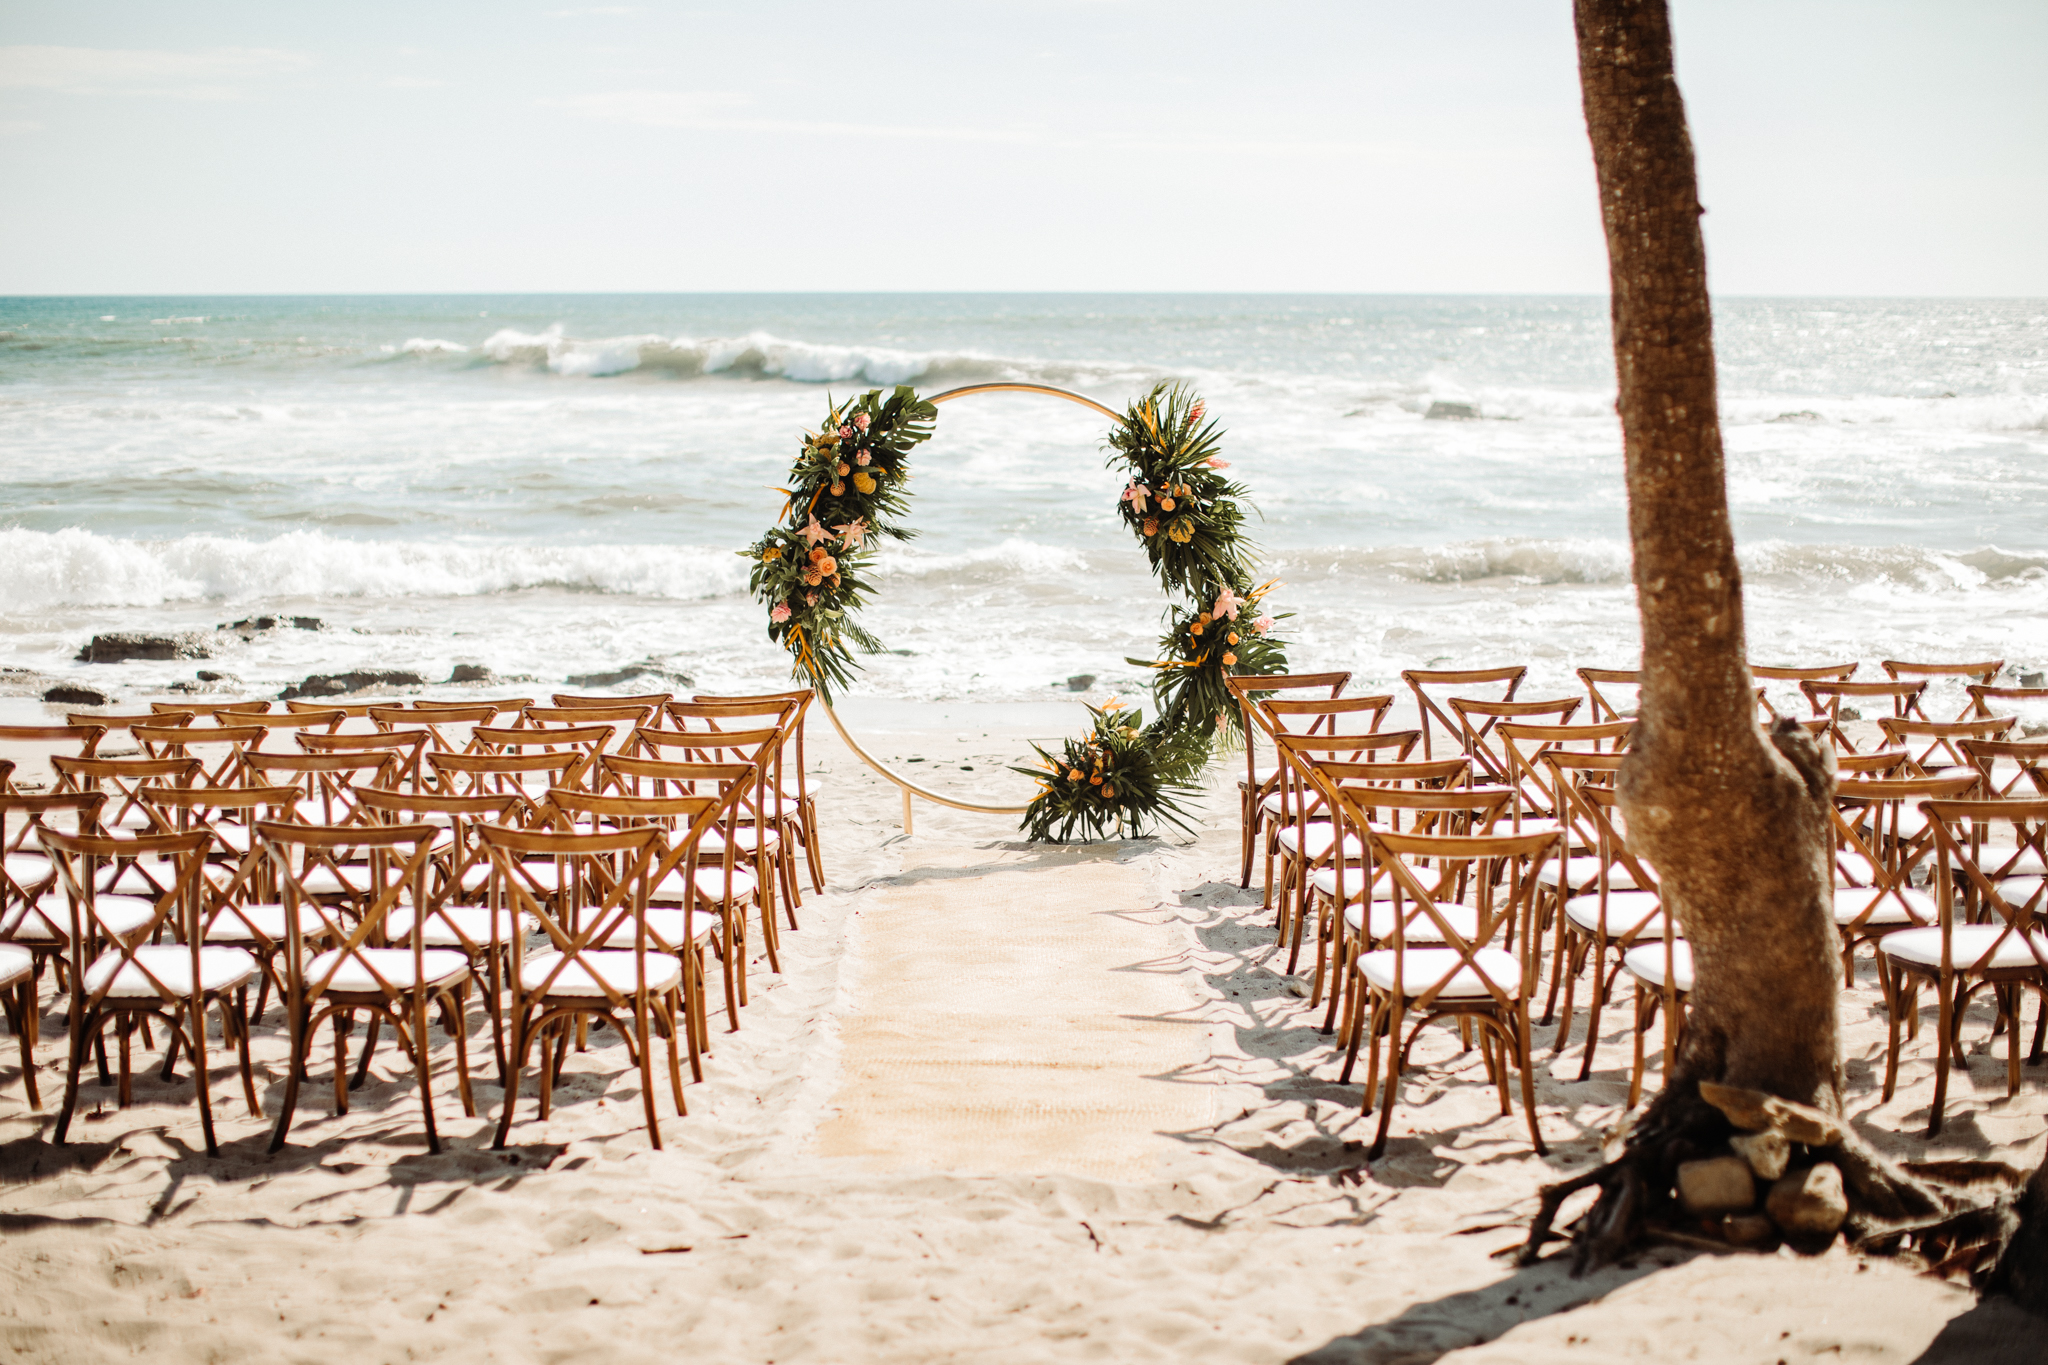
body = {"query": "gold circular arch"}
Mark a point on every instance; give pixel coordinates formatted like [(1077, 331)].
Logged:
[(904, 784)]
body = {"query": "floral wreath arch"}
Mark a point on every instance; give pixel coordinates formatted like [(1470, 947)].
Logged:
[(814, 572)]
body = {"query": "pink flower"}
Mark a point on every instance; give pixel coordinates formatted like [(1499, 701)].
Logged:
[(780, 614), (852, 532), (860, 419), (1195, 412), (814, 532), (1215, 463), (1135, 495), (1263, 624), (863, 459), (846, 433), (1227, 603), (810, 599)]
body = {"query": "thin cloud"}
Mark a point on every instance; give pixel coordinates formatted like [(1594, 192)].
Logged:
[(708, 112), (16, 127), (413, 83), (208, 74)]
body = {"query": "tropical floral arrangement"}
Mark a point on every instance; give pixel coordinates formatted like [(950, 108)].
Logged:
[(813, 573)]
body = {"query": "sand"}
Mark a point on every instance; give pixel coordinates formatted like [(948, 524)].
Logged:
[(1003, 1103)]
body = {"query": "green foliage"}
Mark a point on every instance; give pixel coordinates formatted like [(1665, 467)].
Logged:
[(848, 488), (1115, 781)]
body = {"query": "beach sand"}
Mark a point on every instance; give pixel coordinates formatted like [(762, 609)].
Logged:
[(1004, 1103)]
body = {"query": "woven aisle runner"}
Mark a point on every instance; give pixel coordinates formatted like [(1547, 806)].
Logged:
[(1018, 1012)]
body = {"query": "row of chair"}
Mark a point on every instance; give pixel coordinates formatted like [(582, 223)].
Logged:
[(559, 876), (1450, 871)]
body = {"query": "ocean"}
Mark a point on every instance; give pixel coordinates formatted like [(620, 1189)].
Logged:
[(556, 486)]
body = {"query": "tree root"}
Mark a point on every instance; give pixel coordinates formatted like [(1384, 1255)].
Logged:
[(1982, 1221)]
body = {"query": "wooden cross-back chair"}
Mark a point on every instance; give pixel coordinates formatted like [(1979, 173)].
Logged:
[(219, 748), (1796, 674), (637, 990), (1421, 680), (326, 782), (1606, 708), (1933, 746), (2026, 759), (398, 985), (322, 719), (693, 902), (652, 700), (461, 910), (408, 745), (1459, 970), (1826, 698), (239, 905), (1268, 715), (115, 724), (1478, 718), (86, 734), (1983, 695), (35, 931), (1299, 837), (168, 708), (1521, 747), (1877, 853), (791, 805), (122, 779), (1981, 674), (761, 746), (501, 706), (1624, 906), (122, 977), (1260, 779), (1351, 894), (524, 776), (439, 722), (586, 740), (1989, 935), (757, 842)]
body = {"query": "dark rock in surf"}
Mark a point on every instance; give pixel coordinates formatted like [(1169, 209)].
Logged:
[(71, 695), (256, 625), (121, 646), (646, 668), (1442, 411), (355, 680)]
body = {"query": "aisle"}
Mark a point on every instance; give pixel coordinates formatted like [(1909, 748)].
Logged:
[(1018, 1011)]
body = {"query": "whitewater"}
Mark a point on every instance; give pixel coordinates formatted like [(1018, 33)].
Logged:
[(555, 486)]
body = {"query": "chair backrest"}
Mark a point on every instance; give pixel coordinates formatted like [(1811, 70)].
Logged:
[(399, 858), (327, 718), (1978, 674), (588, 740), (2012, 698), (1875, 763), (655, 700), (2028, 759), (407, 744), (1795, 674), (326, 782), (443, 724), (526, 776), (1521, 744), (1825, 699), (78, 859), (500, 706), (1463, 680), (21, 881), (1477, 718), (1250, 689), (1447, 810), (1873, 862), (623, 720), (455, 858), (1323, 715), (1590, 815), (632, 775), (218, 747), (113, 723), (1606, 707), (52, 738), (603, 879), (1998, 879), (122, 779), (1932, 744)]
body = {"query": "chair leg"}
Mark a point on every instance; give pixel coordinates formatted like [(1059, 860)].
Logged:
[(1596, 997), (300, 1044), (454, 1004), (240, 1017), (82, 1029), (1890, 982), (1944, 992), (196, 1013), (1523, 1061), (516, 1054), (422, 1056), (1574, 964), (678, 1018), (21, 1015), (1395, 1055), (1645, 1010), (640, 1013)]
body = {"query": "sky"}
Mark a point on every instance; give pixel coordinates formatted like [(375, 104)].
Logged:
[(1373, 146)]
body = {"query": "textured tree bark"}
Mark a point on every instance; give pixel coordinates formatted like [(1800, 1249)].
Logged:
[(1734, 821)]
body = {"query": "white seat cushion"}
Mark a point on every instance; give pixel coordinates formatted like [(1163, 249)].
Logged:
[(673, 927), (2018, 891), (29, 870), (472, 921), (1970, 943), (1418, 927), (1318, 842), (1289, 807), (1646, 964), (1629, 913), (1262, 774), (259, 923), (16, 965), (613, 968), (236, 839), (1580, 873), (438, 966), (1852, 901), (49, 919), (710, 884), (1425, 967), (743, 839), (1853, 869), (353, 879), (220, 969)]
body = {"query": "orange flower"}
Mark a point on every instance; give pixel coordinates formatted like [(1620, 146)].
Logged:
[(838, 490), (1073, 774), (1195, 629), (1228, 659), (828, 565), (844, 469), (773, 552), (1151, 526), (1166, 504), (864, 481), (1108, 792), (1233, 637)]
